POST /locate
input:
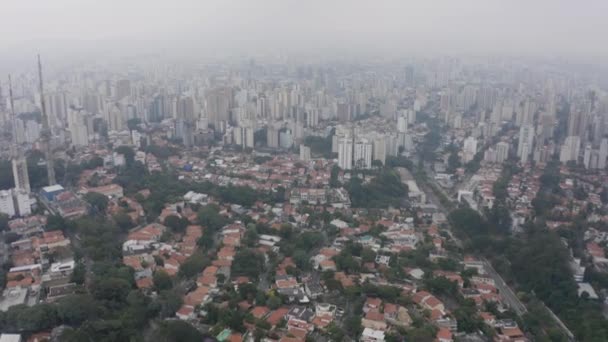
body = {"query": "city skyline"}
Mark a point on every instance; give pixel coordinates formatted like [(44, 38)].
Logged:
[(70, 29)]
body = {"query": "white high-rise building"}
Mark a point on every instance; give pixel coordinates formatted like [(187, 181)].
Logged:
[(570, 149), (469, 149), (272, 137), (286, 138), (402, 124), (525, 143), (80, 135), (380, 149), (502, 151), (587, 156), (363, 154), (22, 201), (304, 153), (7, 205), (20, 175), (345, 153), (603, 154)]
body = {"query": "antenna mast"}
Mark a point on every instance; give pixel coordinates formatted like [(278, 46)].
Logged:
[(46, 131)]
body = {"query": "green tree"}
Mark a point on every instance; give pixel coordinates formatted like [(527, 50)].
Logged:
[(162, 280), (98, 201), (176, 223), (274, 302), (77, 309), (177, 331), (193, 265)]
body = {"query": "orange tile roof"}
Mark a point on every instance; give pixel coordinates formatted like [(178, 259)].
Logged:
[(277, 315), (444, 334), (144, 283), (260, 311)]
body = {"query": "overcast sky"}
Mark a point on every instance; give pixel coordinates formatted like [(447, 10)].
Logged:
[(562, 28)]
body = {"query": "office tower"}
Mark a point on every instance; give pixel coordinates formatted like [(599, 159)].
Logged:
[(363, 154), (570, 149), (7, 205), (502, 151), (18, 160), (123, 89), (345, 152), (525, 142), (602, 154), (304, 153), (469, 149)]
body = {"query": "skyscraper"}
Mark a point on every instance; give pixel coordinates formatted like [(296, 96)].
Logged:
[(525, 142), (363, 154), (469, 149), (345, 153), (502, 151)]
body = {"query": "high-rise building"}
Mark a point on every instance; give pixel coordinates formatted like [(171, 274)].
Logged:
[(587, 156), (502, 151), (345, 153), (22, 202), (285, 138), (272, 136), (20, 175), (570, 149), (380, 149), (218, 102), (469, 149), (363, 151), (602, 154), (525, 143), (304, 153), (7, 205)]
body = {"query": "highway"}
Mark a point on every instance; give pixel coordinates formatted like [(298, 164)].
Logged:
[(504, 290)]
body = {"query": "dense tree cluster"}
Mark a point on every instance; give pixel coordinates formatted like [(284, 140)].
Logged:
[(384, 190)]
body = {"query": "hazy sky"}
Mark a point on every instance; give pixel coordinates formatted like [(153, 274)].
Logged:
[(563, 28)]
